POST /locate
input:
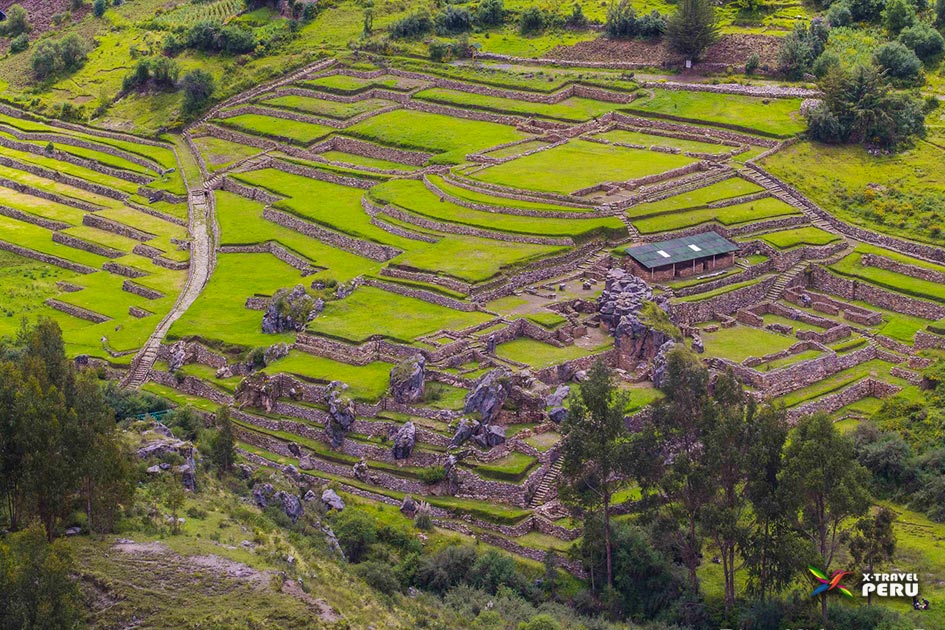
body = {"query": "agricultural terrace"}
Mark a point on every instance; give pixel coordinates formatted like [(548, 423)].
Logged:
[(480, 220)]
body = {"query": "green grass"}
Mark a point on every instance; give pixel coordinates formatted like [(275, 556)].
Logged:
[(451, 138), (481, 197), (514, 467), (851, 266), (725, 189), (806, 355), (360, 160), (579, 164), (366, 382), (573, 109), (766, 208), (779, 117), (413, 196), (647, 140), (801, 236), (875, 367), (291, 131), (359, 316), (344, 83), (328, 109), (740, 342), (538, 354), (219, 153), (25, 284)]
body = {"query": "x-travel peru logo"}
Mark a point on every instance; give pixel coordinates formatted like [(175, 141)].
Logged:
[(827, 584)]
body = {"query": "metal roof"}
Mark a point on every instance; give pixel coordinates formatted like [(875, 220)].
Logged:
[(680, 250)]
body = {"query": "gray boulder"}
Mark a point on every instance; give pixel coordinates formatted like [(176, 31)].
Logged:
[(262, 492), (332, 501), (490, 435), (407, 380), (309, 496), (404, 441), (178, 356), (275, 352), (488, 394), (697, 344), (558, 414), (659, 363), (290, 310), (450, 470), (464, 431), (409, 507), (290, 505), (340, 417), (361, 470), (557, 398)]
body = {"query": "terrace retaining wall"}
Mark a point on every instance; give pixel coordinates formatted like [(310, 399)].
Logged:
[(46, 258), (374, 251), (77, 311), (96, 221), (78, 243), (848, 289), (27, 217), (865, 388)]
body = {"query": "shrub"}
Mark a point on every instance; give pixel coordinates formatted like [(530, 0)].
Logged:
[(98, 8), (51, 57), (17, 22), (577, 19), (453, 20), (651, 25), (198, 88), (490, 13), (866, 10), (621, 20), (899, 14), (898, 61), (752, 64), (531, 21), (693, 28), (414, 25), (924, 40), (19, 43), (379, 576), (800, 48), (940, 13), (839, 14), (827, 62), (540, 622), (356, 533)]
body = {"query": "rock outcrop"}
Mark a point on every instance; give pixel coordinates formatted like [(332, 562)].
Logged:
[(290, 310), (620, 307), (404, 441), (488, 395), (262, 391), (407, 380), (332, 501), (340, 416), (659, 363)]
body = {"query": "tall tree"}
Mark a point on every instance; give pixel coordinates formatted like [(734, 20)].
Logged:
[(673, 452), (829, 485), (772, 550), (727, 442), (873, 541), (693, 28), (222, 452), (594, 451)]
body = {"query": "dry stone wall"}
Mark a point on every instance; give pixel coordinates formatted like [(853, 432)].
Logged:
[(374, 251)]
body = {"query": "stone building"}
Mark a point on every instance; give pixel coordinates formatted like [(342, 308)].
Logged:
[(682, 257)]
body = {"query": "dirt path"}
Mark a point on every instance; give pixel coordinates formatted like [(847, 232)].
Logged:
[(202, 259)]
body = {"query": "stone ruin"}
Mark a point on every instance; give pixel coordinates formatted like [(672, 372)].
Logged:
[(488, 394), (261, 391), (404, 441), (620, 308), (163, 444), (290, 310), (407, 380), (340, 414)]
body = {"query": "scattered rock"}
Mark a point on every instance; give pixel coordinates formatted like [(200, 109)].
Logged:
[(275, 352), (490, 435), (464, 431), (697, 344), (309, 496), (332, 501), (262, 492), (361, 470), (341, 417), (450, 470), (178, 356), (409, 507), (557, 398), (488, 394), (290, 505), (558, 414), (407, 380)]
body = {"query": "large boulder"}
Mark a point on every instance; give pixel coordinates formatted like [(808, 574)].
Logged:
[(409, 507), (490, 435), (262, 493), (404, 441), (659, 363), (556, 399), (451, 472), (361, 470), (340, 417), (261, 391), (464, 431), (177, 356), (488, 395), (620, 307), (291, 505), (332, 501), (291, 310), (557, 414), (407, 380)]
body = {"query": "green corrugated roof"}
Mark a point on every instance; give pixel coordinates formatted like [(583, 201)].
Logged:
[(679, 250)]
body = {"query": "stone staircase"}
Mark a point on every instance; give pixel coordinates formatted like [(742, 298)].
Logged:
[(777, 289), (778, 191), (548, 487), (142, 367)]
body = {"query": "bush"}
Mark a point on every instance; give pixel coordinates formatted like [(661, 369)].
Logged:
[(414, 25), (924, 40), (198, 88), (839, 14), (940, 13), (866, 10), (898, 61), (621, 20), (651, 25), (52, 57), (752, 64), (98, 8), (899, 14), (19, 43), (379, 576), (577, 19), (17, 22), (531, 21), (540, 622), (356, 532), (453, 20), (826, 63), (491, 13), (160, 72)]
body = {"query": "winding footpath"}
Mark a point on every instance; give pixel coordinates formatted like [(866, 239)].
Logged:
[(202, 259)]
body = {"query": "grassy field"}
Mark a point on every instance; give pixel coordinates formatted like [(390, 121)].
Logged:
[(291, 131), (766, 208), (451, 138), (573, 109), (366, 382), (356, 318), (498, 203), (740, 342), (538, 354), (786, 239), (321, 107), (725, 189), (219, 153), (560, 169), (852, 266), (779, 117), (649, 140)]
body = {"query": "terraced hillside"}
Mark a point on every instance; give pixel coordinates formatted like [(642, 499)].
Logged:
[(468, 233)]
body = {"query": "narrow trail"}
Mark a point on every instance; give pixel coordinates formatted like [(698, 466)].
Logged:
[(202, 261)]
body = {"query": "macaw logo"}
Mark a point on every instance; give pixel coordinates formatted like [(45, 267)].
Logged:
[(827, 584)]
